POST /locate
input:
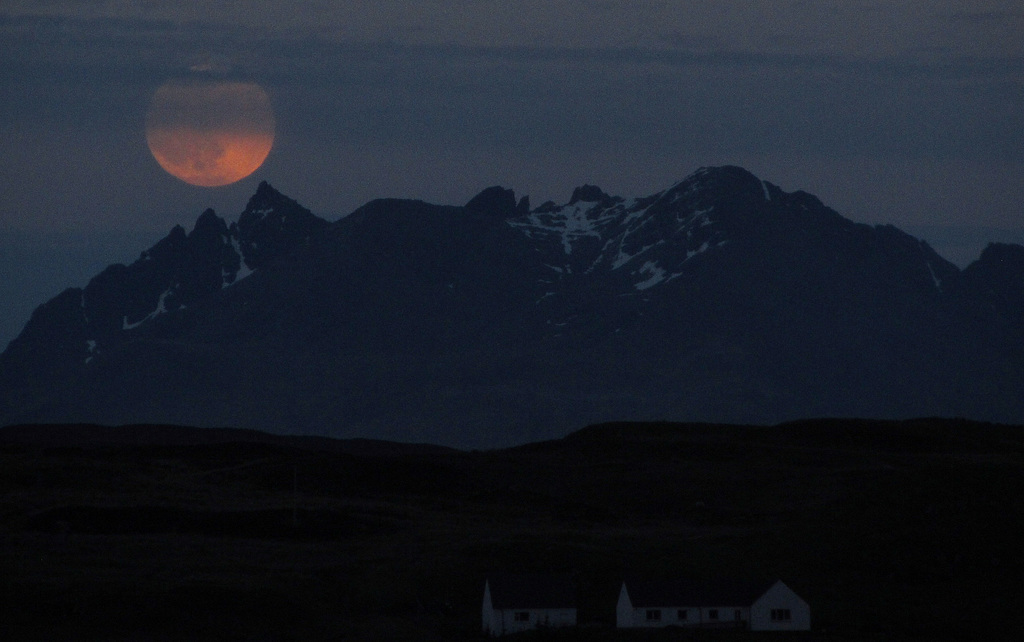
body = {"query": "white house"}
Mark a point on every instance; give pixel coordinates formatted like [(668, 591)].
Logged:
[(518, 602), (780, 609), (650, 603)]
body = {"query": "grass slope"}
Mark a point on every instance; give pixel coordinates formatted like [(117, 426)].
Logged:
[(890, 530)]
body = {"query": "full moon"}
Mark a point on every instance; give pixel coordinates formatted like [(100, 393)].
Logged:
[(210, 133)]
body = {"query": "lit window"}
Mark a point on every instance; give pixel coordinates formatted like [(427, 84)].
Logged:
[(653, 615)]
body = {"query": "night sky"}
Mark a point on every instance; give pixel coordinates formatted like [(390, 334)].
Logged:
[(905, 112)]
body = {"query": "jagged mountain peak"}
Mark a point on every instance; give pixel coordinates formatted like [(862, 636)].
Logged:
[(728, 185), (265, 198), (269, 207), (596, 231), (177, 272), (721, 174), (207, 216), (498, 201), (720, 298), (1007, 255), (211, 236), (273, 225), (494, 200), (588, 194)]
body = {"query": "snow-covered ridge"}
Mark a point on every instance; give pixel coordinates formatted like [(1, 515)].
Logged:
[(649, 236), (569, 222)]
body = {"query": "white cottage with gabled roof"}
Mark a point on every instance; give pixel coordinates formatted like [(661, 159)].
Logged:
[(520, 602), (780, 609), (646, 603)]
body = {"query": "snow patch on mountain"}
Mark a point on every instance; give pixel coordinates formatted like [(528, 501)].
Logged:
[(243, 269), (650, 236), (700, 250), (568, 222), (623, 258), (161, 308), (935, 279), (657, 275), (91, 346)]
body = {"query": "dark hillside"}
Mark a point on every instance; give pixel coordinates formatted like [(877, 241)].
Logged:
[(890, 530), (92, 435)]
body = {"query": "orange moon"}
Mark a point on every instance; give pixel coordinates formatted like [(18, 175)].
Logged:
[(210, 133)]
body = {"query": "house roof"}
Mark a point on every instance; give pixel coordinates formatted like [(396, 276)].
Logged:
[(675, 592), (531, 591)]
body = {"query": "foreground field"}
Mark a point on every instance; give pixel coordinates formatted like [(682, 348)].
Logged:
[(889, 530)]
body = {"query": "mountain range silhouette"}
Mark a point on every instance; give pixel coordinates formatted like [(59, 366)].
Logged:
[(722, 298)]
